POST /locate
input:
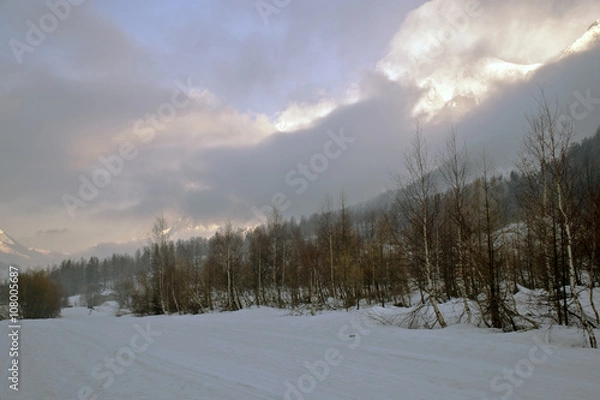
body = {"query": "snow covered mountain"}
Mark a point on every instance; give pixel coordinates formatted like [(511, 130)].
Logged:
[(13, 252), (587, 41)]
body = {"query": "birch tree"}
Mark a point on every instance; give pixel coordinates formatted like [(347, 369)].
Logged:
[(455, 170), (554, 132), (419, 189)]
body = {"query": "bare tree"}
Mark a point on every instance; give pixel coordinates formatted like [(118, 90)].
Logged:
[(325, 239), (553, 132), (276, 231), (455, 170), (538, 201), (420, 189), (226, 250), (490, 235), (162, 264)]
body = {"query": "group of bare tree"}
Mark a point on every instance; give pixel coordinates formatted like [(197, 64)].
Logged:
[(560, 204), (454, 230)]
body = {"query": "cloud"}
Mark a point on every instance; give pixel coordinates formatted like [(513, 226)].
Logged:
[(457, 51), (303, 115), (53, 232), (263, 100)]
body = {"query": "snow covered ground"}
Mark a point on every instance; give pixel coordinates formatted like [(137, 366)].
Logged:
[(268, 354)]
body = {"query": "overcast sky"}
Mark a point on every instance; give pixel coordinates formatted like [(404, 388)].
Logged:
[(115, 111)]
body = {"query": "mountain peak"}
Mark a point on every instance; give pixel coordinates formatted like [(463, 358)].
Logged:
[(9, 246), (587, 41), (13, 252)]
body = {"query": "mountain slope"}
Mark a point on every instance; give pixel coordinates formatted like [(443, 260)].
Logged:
[(587, 41), (13, 252)]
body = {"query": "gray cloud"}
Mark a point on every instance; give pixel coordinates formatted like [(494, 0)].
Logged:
[(78, 96), (53, 232), (239, 178)]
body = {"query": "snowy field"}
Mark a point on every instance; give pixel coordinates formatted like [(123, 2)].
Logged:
[(268, 354)]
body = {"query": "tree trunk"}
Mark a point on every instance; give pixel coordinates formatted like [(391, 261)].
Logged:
[(572, 274), (432, 291)]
